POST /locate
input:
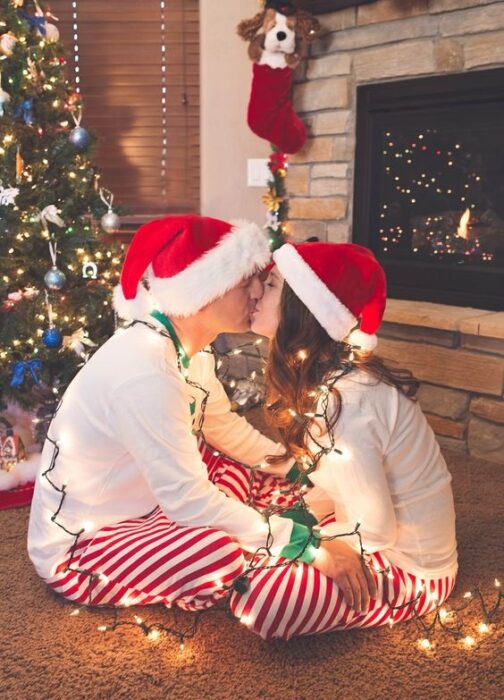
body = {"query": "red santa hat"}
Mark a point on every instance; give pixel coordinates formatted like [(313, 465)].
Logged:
[(187, 261), (339, 283)]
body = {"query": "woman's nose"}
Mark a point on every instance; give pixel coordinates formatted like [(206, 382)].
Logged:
[(281, 36)]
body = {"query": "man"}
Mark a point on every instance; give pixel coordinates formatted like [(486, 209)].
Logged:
[(124, 509)]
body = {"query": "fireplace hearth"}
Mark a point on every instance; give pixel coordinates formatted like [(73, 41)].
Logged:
[(429, 186)]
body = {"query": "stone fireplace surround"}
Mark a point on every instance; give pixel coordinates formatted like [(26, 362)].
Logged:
[(457, 353)]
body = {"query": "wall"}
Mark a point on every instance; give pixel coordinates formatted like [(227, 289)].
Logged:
[(226, 141)]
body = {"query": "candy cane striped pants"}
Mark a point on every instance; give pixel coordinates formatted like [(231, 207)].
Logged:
[(153, 560)]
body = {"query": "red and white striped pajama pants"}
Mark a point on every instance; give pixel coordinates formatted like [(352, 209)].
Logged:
[(153, 560)]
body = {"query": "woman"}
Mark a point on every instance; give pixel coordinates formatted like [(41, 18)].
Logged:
[(381, 490)]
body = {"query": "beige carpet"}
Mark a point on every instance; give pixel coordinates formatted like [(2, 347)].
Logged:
[(46, 654)]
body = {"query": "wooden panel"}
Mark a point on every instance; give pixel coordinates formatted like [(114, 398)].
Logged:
[(121, 81)]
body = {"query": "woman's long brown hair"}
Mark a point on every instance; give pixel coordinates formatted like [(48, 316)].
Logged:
[(302, 357)]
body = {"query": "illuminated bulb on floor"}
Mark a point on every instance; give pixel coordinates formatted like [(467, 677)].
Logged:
[(483, 628), (87, 526), (302, 355), (425, 644), (246, 620), (153, 635), (469, 641), (75, 612), (102, 628)]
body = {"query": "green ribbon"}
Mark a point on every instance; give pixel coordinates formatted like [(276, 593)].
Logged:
[(181, 353)]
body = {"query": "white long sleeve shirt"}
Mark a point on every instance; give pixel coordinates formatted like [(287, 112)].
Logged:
[(126, 446), (391, 478)]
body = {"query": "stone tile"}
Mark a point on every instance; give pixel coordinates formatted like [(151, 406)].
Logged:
[(419, 334), (486, 440), (327, 93), (488, 325), (336, 21), (490, 345), (440, 401), (315, 150), (326, 187), (451, 444), (298, 180), (449, 55), (386, 10), (421, 313), (488, 408), (484, 50), (436, 6), (472, 21), (339, 232), (329, 170), (456, 369), (318, 208), (396, 60), (446, 427), (374, 35), (333, 64), (337, 122), (301, 230)]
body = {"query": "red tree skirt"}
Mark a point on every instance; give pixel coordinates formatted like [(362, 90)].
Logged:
[(15, 498)]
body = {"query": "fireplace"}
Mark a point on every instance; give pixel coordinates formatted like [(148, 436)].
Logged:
[(429, 186)]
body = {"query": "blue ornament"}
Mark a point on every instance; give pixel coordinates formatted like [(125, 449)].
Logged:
[(55, 279), (79, 137), (52, 338)]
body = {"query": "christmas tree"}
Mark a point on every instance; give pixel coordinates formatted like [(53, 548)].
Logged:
[(58, 269)]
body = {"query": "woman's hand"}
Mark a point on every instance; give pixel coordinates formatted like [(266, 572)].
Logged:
[(339, 561)]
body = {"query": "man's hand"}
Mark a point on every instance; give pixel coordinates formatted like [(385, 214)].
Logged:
[(339, 561)]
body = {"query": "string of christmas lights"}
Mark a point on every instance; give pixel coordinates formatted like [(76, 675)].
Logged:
[(298, 488)]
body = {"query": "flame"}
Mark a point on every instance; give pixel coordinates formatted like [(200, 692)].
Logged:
[(464, 220)]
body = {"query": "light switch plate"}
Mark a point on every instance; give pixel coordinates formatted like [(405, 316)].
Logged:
[(258, 172)]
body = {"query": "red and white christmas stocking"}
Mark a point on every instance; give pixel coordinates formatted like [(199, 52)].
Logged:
[(270, 112)]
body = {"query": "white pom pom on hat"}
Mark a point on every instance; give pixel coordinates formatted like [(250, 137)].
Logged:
[(339, 283), (188, 262)]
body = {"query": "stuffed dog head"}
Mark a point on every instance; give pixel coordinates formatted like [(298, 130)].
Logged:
[(279, 35)]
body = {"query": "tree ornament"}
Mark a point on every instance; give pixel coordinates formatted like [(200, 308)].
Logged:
[(19, 165), (25, 110), (90, 270), (8, 196), (110, 221), (55, 279), (50, 213), (48, 31), (4, 97), (78, 342), (79, 137), (52, 338), (7, 43)]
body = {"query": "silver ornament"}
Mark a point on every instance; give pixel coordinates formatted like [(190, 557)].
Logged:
[(110, 222), (55, 279), (80, 138)]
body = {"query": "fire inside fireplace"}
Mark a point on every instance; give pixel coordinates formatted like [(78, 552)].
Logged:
[(429, 186)]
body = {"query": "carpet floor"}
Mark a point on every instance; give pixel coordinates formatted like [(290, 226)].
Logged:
[(47, 654)]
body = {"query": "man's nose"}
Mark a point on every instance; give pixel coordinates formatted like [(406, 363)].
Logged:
[(256, 288), (281, 36)]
